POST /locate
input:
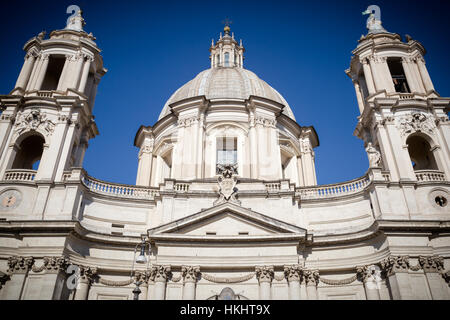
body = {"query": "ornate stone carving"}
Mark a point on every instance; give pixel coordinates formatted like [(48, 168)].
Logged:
[(187, 122), (339, 282), (227, 185), (394, 264), (293, 273), (311, 277), (52, 264), (416, 122), (305, 145), (19, 264), (264, 273), (369, 274), (215, 279), (431, 263), (160, 273), (113, 283), (266, 122), (3, 278), (34, 120), (141, 277), (190, 274), (374, 156), (88, 273), (147, 148)]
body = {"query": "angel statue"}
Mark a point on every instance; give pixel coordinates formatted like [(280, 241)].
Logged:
[(374, 156)]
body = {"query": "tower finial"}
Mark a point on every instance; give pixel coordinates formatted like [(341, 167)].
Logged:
[(374, 19), (227, 22), (75, 21)]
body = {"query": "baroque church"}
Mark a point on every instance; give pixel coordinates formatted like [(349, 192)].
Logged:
[(226, 203)]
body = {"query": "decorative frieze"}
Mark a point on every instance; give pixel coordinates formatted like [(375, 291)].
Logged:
[(431, 263), (52, 264), (187, 122), (216, 279), (88, 273), (264, 273), (416, 122), (265, 122)]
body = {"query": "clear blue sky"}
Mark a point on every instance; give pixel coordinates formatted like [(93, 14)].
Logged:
[(301, 48)]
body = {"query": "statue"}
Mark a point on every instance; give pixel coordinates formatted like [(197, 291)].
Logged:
[(374, 19), (374, 156), (41, 35), (227, 184), (75, 21)]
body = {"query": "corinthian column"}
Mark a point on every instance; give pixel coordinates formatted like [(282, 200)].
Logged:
[(425, 75), (87, 275), (433, 267), (265, 275), (312, 280), (396, 269), (293, 275), (368, 77), (371, 277), (25, 73), (42, 71), (190, 276), (159, 275)]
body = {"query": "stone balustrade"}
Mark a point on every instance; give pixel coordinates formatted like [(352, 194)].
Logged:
[(118, 190), (334, 190), (181, 187), (386, 176), (429, 175), (20, 175), (275, 186)]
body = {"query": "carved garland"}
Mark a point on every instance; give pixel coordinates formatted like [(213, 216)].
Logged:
[(215, 279), (340, 282), (112, 283)]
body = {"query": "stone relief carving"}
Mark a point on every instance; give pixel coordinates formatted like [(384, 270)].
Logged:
[(374, 156), (431, 263), (52, 264), (311, 277), (160, 273), (416, 122), (227, 184), (19, 264), (293, 273), (34, 120), (215, 279), (266, 122), (393, 264)]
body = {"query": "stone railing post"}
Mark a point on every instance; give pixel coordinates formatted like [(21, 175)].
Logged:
[(293, 276), (265, 275), (190, 277)]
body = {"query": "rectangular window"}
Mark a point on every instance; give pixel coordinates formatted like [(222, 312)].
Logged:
[(226, 151), (53, 72), (227, 59), (398, 75)]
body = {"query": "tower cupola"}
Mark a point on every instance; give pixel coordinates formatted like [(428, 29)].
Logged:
[(227, 52)]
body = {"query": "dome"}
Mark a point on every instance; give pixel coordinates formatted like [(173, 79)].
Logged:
[(227, 83)]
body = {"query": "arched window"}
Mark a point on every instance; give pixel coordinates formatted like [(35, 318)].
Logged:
[(422, 157), (29, 154)]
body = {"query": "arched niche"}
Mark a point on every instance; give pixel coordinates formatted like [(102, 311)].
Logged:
[(421, 152), (28, 151)]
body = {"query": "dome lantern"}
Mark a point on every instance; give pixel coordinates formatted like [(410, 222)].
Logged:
[(227, 53)]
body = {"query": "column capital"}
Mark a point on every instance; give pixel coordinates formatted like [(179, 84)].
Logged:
[(293, 272), (431, 263), (264, 273), (142, 277), (18, 264), (87, 273), (54, 264), (160, 273), (395, 264), (190, 274), (311, 277), (368, 273)]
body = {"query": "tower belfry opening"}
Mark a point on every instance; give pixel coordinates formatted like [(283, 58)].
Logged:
[(398, 75), (53, 73)]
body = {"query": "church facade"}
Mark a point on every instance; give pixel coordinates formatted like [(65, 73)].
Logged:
[(226, 203)]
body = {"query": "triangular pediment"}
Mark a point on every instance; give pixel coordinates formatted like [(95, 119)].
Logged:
[(227, 221)]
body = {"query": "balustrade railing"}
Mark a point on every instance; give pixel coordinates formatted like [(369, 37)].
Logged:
[(181, 187), (334, 190), (276, 186), (118, 190), (429, 175), (19, 175)]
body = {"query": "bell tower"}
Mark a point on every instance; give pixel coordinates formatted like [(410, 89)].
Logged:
[(47, 118), (403, 121)]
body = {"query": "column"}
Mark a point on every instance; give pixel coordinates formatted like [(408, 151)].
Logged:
[(145, 163), (307, 159), (312, 280), (386, 75), (409, 75), (301, 179), (376, 74), (18, 268), (34, 72), (425, 75), (85, 74), (265, 275), (433, 266), (42, 71), (368, 77), (371, 277), (63, 76), (87, 275), (24, 75), (77, 71), (160, 274), (253, 147), (190, 277), (396, 268), (359, 97), (200, 150), (293, 275)]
